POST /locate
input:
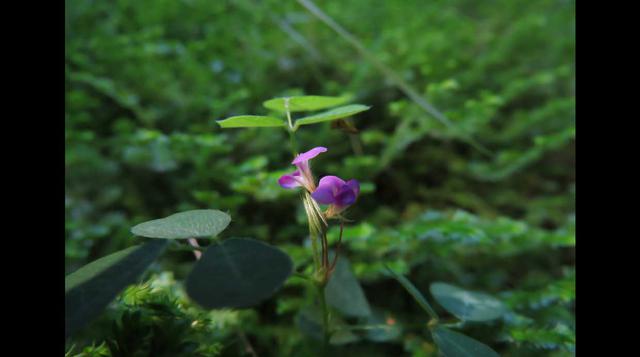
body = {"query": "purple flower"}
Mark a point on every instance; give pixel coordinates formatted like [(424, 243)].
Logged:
[(302, 176), (337, 193)]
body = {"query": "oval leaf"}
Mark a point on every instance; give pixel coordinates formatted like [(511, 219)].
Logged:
[(190, 224), (238, 273), (250, 121), (343, 291), (333, 114), (467, 305), (305, 103), (454, 344), (89, 289)]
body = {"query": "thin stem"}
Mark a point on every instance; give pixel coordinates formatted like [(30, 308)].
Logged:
[(286, 108), (335, 256), (247, 345), (325, 315), (356, 145), (290, 129), (194, 243), (293, 143), (405, 87), (325, 252), (186, 248), (301, 276), (378, 326), (314, 246)]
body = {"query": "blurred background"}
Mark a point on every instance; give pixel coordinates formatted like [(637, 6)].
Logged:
[(486, 201)]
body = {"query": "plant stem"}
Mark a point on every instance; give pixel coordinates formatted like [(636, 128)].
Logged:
[(286, 108), (186, 248), (391, 75), (337, 252), (325, 315), (290, 129), (314, 246), (194, 244), (325, 252), (293, 143)]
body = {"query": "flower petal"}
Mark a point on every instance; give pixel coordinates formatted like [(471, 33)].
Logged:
[(355, 186), (323, 195), (291, 180), (306, 156), (345, 197), (332, 182)]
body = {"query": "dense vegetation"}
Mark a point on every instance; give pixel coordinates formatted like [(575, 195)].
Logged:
[(485, 200)]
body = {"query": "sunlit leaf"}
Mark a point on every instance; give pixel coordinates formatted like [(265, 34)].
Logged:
[(250, 121), (190, 224), (305, 103), (333, 114)]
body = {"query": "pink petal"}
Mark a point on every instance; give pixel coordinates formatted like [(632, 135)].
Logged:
[(291, 180), (355, 186), (332, 182), (306, 156), (345, 197), (323, 195)]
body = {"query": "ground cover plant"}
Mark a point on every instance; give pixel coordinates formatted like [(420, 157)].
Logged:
[(435, 217)]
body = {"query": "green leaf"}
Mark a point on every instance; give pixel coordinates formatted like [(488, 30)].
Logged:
[(190, 224), (238, 273), (417, 295), (467, 305), (250, 121), (89, 289), (333, 114), (454, 344), (343, 291), (305, 103)]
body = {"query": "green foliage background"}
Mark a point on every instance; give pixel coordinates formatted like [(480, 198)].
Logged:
[(146, 80)]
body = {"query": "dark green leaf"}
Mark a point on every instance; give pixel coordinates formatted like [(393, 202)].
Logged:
[(89, 289), (454, 344), (189, 224), (467, 305), (344, 293), (250, 121), (305, 103), (238, 273), (417, 295), (333, 114)]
